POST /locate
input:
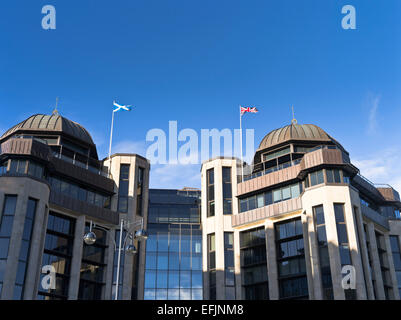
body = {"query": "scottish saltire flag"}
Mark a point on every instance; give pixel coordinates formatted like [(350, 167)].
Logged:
[(248, 109), (118, 107)]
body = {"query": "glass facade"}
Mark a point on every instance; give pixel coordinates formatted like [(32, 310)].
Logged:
[(384, 265), (270, 197), (229, 273), (254, 264), (211, 264), (343, 244), (227, 191), (210, 192), (123, 188), (78, 192), (92, 267), (24, 251), (396, 252), (173, 268), (293, 282), (6, 225), (324, 259), (58, 253), (139, 191)]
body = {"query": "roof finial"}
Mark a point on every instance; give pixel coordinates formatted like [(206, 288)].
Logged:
[(293, 121), (55, 111)]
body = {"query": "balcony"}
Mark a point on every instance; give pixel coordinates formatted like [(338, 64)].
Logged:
[(310, 160)]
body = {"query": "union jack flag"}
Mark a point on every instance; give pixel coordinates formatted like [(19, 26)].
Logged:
[(248, 109)]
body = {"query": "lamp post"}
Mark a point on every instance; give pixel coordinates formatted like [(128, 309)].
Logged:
[(140, 234)]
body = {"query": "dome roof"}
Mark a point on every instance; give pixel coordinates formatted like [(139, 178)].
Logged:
[(54, 123), (301, 132)]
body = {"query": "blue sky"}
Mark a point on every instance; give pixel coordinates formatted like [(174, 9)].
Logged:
[(196, 61)]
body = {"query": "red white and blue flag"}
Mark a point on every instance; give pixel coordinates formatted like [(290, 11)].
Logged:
[(248, 109)]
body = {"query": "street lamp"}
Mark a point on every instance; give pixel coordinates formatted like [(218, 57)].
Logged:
[(140, 235)]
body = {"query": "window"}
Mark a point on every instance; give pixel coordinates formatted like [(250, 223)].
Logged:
[(58, 253), (173, 267), (18, 166), (123, 188), (254, 264), (396, 252), (343, 244), (384, 265), (92, 267), (227, 191), (229, 264), (270, 197), (35, 169), (139, 191), (24, 250), (324, 260), (6, 225), (370, 263), (211, 243), (210, 192), (316, 178), (291, 260), (78, 192), (333, 176), (269, 156)]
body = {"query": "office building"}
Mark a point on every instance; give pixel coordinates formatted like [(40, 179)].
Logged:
[(300, 223), (53, 190), (174, 246)]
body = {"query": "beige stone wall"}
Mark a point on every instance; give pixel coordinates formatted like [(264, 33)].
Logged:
[(218, 224), (24, 188)]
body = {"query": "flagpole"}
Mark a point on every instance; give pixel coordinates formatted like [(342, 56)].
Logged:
[(240, 129), (111, 139)]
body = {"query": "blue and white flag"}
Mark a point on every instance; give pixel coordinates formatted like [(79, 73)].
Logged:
[(119, 107)]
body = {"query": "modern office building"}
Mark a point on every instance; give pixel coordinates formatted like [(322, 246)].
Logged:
[(174, 245), (53, 191), (301, 223)]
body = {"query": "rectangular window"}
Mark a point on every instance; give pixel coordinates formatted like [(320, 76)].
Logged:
[(211, 243), (93, 267), (227, 191), (384, 265), (291, 260), (270, 197), (316, 178), (269, 156), (6, 225), (229, 264), (343, 244), (210, 192), (253, 264), (58, 253), (396, 252), (333, 176), (139, 191), (123, 188), (324, 260), (25, 248)]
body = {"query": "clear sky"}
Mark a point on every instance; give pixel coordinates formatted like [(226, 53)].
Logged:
[(196, 61)]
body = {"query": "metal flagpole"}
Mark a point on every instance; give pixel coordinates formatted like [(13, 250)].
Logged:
[(119, 259), (240, 129), (111, 139)]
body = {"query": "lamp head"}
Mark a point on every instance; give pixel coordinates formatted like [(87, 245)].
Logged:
[(90, 238), (141, 234)]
